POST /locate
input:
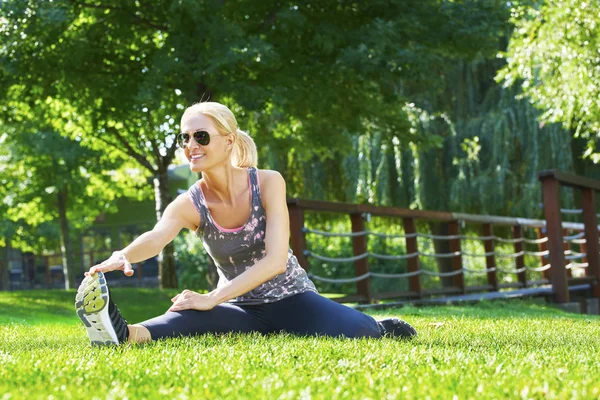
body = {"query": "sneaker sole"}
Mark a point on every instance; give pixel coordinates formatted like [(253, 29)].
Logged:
[(91, 304), (408, 331)]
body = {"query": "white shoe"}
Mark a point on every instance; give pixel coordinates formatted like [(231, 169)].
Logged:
[(104, 323)]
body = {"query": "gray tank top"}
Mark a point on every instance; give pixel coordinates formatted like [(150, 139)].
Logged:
[(236, 250)]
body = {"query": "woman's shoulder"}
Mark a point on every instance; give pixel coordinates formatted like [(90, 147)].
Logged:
[(272, 184), (185, 200), (185, 209), (270, 175)]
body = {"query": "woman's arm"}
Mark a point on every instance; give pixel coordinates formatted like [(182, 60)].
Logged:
[(178, 215), (273, 263)]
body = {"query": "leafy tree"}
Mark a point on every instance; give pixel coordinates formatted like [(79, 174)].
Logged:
[(314, 72), (49, 178), (553, 58)]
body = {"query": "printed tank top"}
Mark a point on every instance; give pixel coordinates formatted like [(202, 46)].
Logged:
[(236, 250)]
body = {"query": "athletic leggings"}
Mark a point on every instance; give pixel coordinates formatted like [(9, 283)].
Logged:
[(303, 314)]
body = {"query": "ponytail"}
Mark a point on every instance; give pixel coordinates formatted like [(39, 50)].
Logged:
[(244, 151)]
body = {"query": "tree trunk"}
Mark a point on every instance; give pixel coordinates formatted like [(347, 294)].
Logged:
[(167, 275), (66, 247), (4, 265), (212, 277), (442, 246)]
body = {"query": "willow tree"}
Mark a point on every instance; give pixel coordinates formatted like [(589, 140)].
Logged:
[(490, 149)]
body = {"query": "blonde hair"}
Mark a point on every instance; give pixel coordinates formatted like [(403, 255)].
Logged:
[(244, 149)]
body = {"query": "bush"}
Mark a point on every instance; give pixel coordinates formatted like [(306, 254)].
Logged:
[(195, 269)]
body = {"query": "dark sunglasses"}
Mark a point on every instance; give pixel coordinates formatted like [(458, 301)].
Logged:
[(201, 137)]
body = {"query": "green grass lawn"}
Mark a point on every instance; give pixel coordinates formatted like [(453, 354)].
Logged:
[(510, 349)]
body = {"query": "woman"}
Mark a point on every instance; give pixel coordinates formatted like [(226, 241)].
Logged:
[(240, 214)]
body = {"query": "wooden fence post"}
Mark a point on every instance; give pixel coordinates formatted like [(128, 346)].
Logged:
[(558, 272), (519, 260), (590, 220), (297, 237), (412, 264), (490, 261), (359, 246), (454, 244), (583, 249)]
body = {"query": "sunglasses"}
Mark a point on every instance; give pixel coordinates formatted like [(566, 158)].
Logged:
[(201, 137)]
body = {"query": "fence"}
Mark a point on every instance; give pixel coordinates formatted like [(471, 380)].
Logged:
[(553, 248), (45, 271), (562, 248), (552, 181)]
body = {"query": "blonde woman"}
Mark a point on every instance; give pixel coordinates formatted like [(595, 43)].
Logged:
[(240, 214)]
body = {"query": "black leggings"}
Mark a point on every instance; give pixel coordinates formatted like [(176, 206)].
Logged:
[(306, 313)]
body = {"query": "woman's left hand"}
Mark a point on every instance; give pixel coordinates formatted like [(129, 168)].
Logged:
[(188, 300)]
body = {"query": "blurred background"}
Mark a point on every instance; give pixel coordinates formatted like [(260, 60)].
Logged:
[(430, 104)]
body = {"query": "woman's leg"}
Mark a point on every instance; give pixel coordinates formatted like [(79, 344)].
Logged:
[(309, 313), (224, 318), (105, 325), (138, 334)]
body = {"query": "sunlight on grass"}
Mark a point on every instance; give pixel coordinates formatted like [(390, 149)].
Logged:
[(490, 350)]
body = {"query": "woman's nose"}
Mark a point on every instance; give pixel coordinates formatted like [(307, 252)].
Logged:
[(192, 144)]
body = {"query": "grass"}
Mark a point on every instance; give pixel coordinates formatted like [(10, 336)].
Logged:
[(510, 349)]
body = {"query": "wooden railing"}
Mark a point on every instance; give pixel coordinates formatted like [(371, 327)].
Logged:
[(45, 271), (552, 234), (551, 253), (551, 182)]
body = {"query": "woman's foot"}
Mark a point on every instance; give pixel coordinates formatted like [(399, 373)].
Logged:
[(104, 323), (394, 327)]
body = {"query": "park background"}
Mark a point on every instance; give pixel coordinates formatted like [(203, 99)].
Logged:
[(431, 105), (447, 105)]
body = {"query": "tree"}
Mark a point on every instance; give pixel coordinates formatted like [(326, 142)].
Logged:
[(318, 72), (553, 58), (52, 179)]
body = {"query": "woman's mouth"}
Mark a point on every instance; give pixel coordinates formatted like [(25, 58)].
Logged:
[(196, 157)]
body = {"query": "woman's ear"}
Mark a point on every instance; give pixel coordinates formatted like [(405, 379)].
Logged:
[(230, 141)]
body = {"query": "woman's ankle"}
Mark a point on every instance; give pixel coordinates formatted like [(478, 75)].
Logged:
[(138, 334)]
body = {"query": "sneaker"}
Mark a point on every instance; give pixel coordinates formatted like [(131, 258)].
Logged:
[(104, 323), (394, 327)]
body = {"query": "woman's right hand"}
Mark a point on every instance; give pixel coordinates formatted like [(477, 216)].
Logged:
[(117, 261)]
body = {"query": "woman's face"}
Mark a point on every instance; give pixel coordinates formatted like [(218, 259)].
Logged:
[(203, 157)]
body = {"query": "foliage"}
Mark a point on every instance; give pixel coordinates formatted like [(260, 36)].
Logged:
[(461, 351), (490, 159), (38, 165), (388, 103), (489, 153), (317, 72), (553, 58), (271, 60), (192, 263)]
